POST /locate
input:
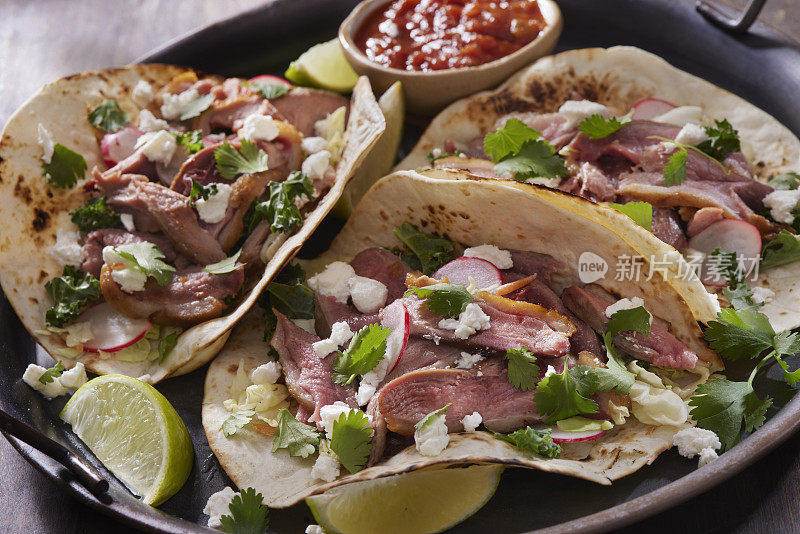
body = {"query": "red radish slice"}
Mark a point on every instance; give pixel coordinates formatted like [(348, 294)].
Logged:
[(395, 316), (562, 436), (112, 330), (460, 270), (119, 145), (269, 78), (650, 108), (730, 235)]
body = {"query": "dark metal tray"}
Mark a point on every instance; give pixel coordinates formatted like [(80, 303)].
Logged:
[(265, 40)]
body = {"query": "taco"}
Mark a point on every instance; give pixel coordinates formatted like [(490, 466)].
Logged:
[(697, 165), (445, 306), (146, 207)]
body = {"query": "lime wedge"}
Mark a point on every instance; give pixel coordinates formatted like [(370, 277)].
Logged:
[(428, 500), (135, 432), (380, 159), (323, 66)]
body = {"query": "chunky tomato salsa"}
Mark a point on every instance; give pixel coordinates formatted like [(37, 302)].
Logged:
[(447, 34)]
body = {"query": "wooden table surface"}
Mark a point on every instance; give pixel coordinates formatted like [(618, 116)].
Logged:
[(41, 40)]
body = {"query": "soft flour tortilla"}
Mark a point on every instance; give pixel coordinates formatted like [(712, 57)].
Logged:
[(472, 213), (619, 77), (32, 211)]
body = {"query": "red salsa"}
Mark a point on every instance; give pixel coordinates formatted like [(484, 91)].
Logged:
[(448, 34)]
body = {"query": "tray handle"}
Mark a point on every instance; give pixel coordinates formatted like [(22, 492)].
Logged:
[(721, 17)]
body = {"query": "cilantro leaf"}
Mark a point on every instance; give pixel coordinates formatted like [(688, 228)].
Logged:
[(280, 210), (523, 372), (166, 344), (447, 300), (741, 298), (351, 439), (785, 181), (365, 351), (96, 214), (675, 169), (52, 373), (562, 395), (535, 159), (236, 421), (197, 106), (615, 376), (509, 139), (433, 158), (723, 406), (108, 116), (249, 159), (727, 265), (598, 127), (271, 90), (431, 251), (71, 292), (533, 441), (299, 438), (785, 248), (249, 514), (640, 212), (739, 334), (228, 265), (191, 140), (199, 190), (429, 418), (722, 140), (635, 319), (65, 167), (146, 258)]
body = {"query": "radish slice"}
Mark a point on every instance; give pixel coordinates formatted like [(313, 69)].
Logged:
[(112, 330), (395, 316), (562, 436), (730, 235), (650, 108), (119, 145), (269, 78), (460, 270)]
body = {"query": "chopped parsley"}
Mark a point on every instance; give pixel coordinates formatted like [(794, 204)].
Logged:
[(64, 168), (519, 151), (598, 127), (523, 373), (71, 292), (146, 258), (562, 395), (299, 438), (96, 214), (722, 140), (249, 514), (271, 90), (366, 350), (228, 265), (635, 319), (675, 169), (785, 248), (351, 438), (108, 116), (533, 441), (197, 106), (445, 299), (428, 252), (52, 373), (509, 139), (433, 158), (191, 140), (249, 159), (237, 421), (640, 212), (199, 190), (280, 210)]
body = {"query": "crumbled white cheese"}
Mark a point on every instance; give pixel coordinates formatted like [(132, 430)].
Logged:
[(267, 373), (67, 250), (315, 165), (762, 295), (576, 111), (330, 413), (218, 505), (626, 304), (68, 381), (782, 204), (312, 145), (259, 127), (325, 468), (550, 371), (340, 334), (368, 295), (45, 139), (366, 390), (467, 360), (127, 221), (681, 115), (129, 280), (173, 106), (691, 134), (74, 378), (471, 422), (469, 321), (158, 147), (213, 209), (693, 441), (332, 282), (497, 257), (142, 93), (315, 529), (306, 324), (150, 123), (707, 455), (432, 438)]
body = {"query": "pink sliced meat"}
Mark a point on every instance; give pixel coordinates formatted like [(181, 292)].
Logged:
[(423, 353), (628, 142), (667, 227), (702, 219), (110, 237), (328, 310), (302, 107), (528, 263), (381, 265)]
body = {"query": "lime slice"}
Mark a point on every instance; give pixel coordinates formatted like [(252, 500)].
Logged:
[(428, 500), (380, 159), (135, 432), (323, 66)]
